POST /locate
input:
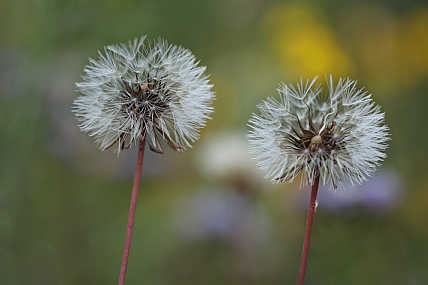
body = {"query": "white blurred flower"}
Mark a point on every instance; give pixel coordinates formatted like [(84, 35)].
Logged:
[(225, 154), (140, 91), (340, 136)]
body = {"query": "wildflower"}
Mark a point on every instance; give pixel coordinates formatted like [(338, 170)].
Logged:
[(141, 91), (339, 136)]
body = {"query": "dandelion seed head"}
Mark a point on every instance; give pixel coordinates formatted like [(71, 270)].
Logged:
[(145, 91), (339, 134)]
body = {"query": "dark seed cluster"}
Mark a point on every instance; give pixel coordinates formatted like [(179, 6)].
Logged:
[(146, 102), (314, 139), (315, 142)]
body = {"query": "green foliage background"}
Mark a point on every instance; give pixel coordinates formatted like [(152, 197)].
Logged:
[(64, 203)]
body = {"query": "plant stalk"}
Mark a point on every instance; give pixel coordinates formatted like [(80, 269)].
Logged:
[(132, 208), (308, 231)]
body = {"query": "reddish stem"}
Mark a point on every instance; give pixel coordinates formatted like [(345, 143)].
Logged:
[(132, 208), (308, 231)]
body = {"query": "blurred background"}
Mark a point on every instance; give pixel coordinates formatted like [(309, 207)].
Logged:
[(207, 216)]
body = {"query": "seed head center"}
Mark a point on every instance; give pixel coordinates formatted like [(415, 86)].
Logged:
[(142, 100), (316, 141)]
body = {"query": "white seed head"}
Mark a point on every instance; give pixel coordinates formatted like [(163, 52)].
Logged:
[(140, 91), (340, 135)]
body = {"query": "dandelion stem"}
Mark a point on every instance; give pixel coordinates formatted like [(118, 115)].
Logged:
[(132, 208), (308, 231)]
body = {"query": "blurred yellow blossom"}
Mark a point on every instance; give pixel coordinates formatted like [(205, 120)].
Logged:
[(305, 45)]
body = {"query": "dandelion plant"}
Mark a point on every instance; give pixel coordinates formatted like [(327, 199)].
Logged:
[(335, 136), (143, 92)]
